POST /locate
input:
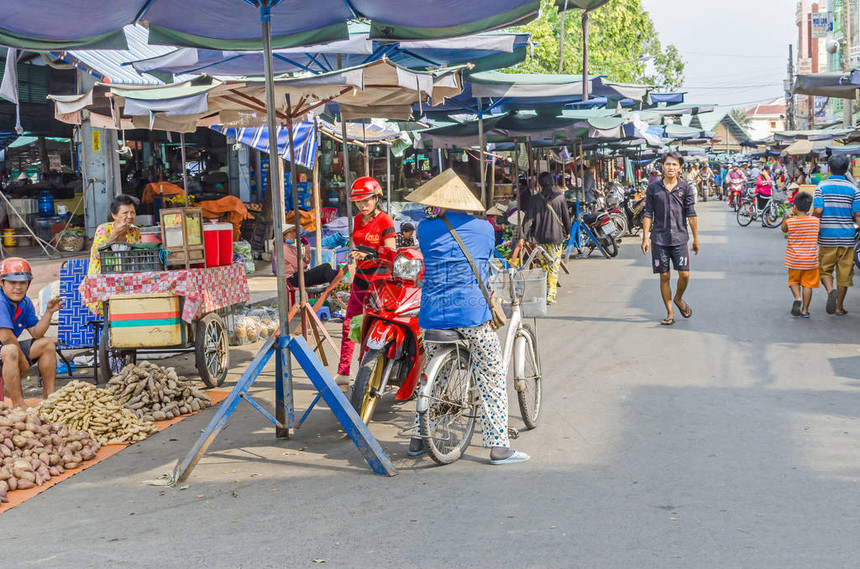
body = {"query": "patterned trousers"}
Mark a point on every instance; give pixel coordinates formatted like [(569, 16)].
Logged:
[(491, 374), (555, 250)]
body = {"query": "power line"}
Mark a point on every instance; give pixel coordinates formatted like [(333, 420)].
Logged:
[(732, 55)]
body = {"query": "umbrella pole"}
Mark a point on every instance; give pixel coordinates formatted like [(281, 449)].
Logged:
[(388, 174), (481, 154), (184, 163), (294, 185), (316, 198), (517, 179), (284, 413), (346, 178)]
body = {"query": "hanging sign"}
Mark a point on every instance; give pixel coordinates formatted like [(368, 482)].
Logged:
[(97, 141), (821, 24)]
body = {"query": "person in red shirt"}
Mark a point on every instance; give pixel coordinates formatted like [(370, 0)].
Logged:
[(371, 230)]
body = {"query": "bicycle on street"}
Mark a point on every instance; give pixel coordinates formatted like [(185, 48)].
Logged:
[(448, 399), (771, 213)]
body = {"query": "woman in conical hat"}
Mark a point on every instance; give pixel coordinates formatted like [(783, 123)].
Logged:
[(451, 298)]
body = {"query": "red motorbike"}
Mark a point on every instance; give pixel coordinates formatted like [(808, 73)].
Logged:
[(736, 192), (392, 348)]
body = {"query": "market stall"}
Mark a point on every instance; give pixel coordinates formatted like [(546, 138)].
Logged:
[(150, 308)]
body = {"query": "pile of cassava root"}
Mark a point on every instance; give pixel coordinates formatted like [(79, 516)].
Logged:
[(82, 407), (154, 393), (33, 449)]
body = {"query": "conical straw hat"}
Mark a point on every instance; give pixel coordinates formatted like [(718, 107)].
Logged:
[(447, 191), (495, 211)]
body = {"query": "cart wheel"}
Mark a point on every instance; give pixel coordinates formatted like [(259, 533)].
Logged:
[(212, 350), (111, 362)]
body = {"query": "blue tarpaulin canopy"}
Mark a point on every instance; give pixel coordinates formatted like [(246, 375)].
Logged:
[(235, 24), (486, 51), (305, 139)]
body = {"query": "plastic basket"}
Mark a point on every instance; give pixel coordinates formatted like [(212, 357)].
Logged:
[(131, 258), (531, 284)]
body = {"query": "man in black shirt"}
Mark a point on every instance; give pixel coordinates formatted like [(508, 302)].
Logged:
[(669, 206)]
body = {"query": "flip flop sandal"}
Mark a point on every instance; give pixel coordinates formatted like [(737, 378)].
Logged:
[(687, 311), (667, 322), (831, 302), (805, 315), (418, 449), (795, 308), (843, 313)]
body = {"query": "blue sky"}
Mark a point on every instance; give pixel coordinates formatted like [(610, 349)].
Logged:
[(736, 51)]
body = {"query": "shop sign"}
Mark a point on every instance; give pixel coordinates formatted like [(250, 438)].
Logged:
[(97, 141), (804, 66), (821, 24)]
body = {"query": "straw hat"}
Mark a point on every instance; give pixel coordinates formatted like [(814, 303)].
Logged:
[(288, 227), (23, 177), (495, 211), (793, 186), (447, 191)]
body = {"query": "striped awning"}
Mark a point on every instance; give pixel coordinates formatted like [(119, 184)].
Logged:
[(305, 141)]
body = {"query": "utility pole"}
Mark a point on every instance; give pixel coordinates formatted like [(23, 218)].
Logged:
[(561, 38), (848, 104), (789, 95)]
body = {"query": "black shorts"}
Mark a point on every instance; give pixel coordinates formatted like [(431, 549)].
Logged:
[(679, 255), (25, 347)]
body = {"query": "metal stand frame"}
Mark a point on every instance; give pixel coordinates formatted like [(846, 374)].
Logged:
[(575, 234), (327, 389)]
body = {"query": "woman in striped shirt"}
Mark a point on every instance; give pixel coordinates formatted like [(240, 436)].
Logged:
[(801, 253)]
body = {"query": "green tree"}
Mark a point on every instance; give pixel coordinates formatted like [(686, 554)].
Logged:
[(621, 35), (740, 117)]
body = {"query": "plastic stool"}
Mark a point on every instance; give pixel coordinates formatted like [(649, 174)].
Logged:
[(324, 313)]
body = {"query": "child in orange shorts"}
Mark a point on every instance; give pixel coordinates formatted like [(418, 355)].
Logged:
[(801, 253)]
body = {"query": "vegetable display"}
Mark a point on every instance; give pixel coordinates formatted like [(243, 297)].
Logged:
[(34, 449), (81, 406), (154, 393)]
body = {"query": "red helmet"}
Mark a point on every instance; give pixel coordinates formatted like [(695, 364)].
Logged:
[(363, 188), (16, 269)]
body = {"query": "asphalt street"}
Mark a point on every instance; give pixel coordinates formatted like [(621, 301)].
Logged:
[(727, 440)]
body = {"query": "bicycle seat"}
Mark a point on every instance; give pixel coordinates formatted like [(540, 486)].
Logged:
[(442, 336)]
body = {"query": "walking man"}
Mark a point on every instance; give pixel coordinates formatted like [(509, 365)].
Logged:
[(837, 203), (547, 223), (669, 204)]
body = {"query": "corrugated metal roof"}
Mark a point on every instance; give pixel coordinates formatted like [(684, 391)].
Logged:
[(107, 63)]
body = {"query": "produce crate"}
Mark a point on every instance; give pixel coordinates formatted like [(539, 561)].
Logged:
[(530, 283), (131, 258), (146, 321)]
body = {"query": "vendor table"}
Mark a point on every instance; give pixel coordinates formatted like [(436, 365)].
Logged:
[(204, 290)]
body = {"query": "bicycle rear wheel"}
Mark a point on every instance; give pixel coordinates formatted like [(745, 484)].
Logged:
[(447, 424), (746, 213), (527, 376)]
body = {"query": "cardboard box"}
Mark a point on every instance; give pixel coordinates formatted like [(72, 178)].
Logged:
[(146, 321)]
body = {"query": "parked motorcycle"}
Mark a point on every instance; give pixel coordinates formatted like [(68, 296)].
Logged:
[(634, 209), (604, 229), (392, 349)]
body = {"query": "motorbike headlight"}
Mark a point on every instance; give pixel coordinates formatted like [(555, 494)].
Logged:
[(406, 268)]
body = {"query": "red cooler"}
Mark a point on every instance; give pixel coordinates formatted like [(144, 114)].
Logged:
[(225, 243), (210, 243)]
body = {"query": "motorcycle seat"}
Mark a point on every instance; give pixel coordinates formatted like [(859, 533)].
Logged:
[(442, 336), (589, 218)]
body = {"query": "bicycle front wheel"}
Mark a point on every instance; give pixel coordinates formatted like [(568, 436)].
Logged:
[(772, 216), (746, 213), (527, 376), (448, 421)]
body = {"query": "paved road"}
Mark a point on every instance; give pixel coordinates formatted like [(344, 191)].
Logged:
[(728, 440)]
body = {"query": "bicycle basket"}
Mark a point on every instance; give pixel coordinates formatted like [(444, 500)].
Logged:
[(529, 284), (131, 257)]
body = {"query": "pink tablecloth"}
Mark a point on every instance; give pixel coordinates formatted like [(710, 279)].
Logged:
[(204, 290)]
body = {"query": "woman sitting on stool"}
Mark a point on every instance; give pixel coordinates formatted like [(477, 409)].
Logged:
[(319, 275)]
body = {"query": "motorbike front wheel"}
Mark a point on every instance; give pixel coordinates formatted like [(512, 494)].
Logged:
[(365, 391)]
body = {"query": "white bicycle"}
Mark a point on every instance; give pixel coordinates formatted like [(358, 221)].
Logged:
[(448, 399)]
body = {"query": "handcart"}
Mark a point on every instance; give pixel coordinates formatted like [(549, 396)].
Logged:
[(152, 311)]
